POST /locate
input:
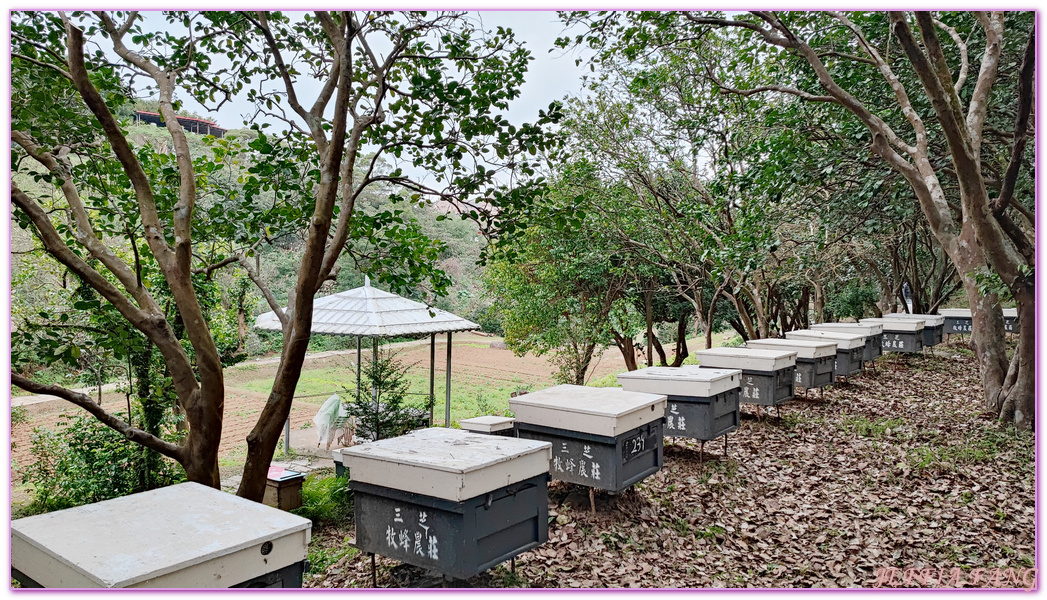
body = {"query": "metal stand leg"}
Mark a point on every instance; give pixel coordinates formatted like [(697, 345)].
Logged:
[(512, 565), (701, 452), (374, 572), (778, 407), (725, 447)]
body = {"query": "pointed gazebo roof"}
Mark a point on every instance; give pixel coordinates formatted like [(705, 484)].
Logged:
[(370, 312)]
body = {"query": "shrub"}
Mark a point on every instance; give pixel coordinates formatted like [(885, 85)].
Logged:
[(381, 409), (325, 498), (85, 461)]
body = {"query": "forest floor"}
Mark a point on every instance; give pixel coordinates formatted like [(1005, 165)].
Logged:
[(898, 472)]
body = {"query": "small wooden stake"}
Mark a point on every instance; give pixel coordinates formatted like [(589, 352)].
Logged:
[(701, 452), (725, 447), (374, 572), (592, 499), (512, 565)]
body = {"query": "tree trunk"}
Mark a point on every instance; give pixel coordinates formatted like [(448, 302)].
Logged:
[(649, 313), (681, 342), (626, 347), (1017, 398), (661, 352)]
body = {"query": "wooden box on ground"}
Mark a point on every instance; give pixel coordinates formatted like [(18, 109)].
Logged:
[(701, 403), (933, 326), (768, 376), (182, 536), (850, 347), (449, 500), (873, 333), (283, 489), (604, 438), (900, 335), (491, 425), (815, 361)]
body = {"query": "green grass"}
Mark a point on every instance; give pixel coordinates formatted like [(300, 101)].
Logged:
[(471, 394), (871, 428), (980, 448)]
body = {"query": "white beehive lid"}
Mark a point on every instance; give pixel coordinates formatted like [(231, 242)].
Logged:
[(748, 359), (844, 340), (686, 380), (928, 320), (447, 463), (807, 349), (862, 328), (1010, 312), (336, 454), (896, 325), (962, 313), (599, 411), (487, 423), (182, 536)]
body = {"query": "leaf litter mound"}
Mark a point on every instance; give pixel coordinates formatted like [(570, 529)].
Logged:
[(900, 467)]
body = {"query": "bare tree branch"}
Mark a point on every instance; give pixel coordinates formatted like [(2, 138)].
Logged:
[(85, 402)]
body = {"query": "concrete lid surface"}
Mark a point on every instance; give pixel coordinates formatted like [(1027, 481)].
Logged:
[(897, 325), (845, 340), (808, 349), (864, 329), (124, 541), (444, 449), (681, 373), (928, 320)]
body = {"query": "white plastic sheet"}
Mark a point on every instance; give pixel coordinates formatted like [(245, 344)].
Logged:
[(326, 420)]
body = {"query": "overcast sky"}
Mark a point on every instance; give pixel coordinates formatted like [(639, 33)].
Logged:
[(550, 76)]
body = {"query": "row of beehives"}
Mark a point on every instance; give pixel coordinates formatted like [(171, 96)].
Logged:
[(454, 501), (460, 502)]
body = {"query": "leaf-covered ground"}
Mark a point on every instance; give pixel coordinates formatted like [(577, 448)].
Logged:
[(899, 468)]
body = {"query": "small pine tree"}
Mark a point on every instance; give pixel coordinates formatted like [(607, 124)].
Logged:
[(381, 409)]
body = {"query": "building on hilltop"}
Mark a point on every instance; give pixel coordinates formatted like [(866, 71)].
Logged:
[(200, 126)]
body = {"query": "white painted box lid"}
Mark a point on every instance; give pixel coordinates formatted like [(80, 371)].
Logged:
[(962, 313), (487, 423), (807, 349), (686, 380), (897, 324), (447, 463), (336, 454), (749, 359), (844, 340), (186, 535), (600, 411), (928, 320), (862, 328), (1010, 312)]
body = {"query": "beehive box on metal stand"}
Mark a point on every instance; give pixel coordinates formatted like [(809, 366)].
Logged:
[(957, 320), (900, 335), (604, 438), (1010, 320), (873, 336), (768, 376), (182, 536), (490, 424), (815, 361), (933, 326), (850, 347), (452, 501), (339, 465), (701, 403)]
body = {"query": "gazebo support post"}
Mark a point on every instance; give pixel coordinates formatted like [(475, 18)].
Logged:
[(358, 359), (447, 399), (374, 390), (432, 376)]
